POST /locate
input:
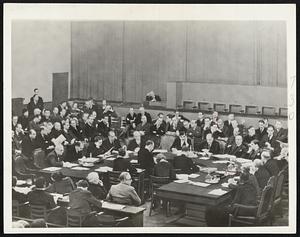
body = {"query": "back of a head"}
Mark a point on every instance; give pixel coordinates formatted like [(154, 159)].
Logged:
[(82, 184), (57, 176), (160, 157), (244, 176), (149, 142), (38, 223), (123, 176), (93, 177), (257, 163), (40, 182)]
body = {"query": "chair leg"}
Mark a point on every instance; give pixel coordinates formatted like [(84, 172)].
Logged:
[(151, 206)]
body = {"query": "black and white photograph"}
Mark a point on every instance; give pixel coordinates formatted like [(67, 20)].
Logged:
[(149, 118)]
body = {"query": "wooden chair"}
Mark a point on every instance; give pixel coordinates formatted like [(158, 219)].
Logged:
[(39, 158), (155, 183), (16, 207), (114, 177), (262, 210), (74, 220), (21, 170), (38, 212), (277, 197)]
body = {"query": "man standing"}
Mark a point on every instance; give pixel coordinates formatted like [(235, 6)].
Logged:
[(145, 158)]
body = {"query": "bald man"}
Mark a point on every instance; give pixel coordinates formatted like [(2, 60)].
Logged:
[(54, 158)]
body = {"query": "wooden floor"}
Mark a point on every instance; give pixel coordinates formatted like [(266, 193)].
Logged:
[(158, 217)]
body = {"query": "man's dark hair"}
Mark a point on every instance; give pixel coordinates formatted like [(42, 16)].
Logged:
[(40, 182), (149, 142), (261, 121), (244, 176), (35, 89)]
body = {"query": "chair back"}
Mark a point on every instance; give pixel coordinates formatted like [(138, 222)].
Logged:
[(279, 185), (114, 177), (265, 203), (15, 208), (20, 166), (156, 182), (38, 212), (39, 157), (74, 220), (272, 181)]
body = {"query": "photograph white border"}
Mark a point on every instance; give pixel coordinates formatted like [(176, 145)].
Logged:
[(155, 12)]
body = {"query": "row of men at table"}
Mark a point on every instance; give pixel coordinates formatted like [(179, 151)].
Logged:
[(91, 192)]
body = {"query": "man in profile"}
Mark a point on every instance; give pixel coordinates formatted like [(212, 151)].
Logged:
[(124, 193)]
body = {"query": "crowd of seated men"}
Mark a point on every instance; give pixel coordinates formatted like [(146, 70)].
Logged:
[(88, 131)]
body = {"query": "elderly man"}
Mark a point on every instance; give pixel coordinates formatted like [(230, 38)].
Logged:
[(210, 145), (269, 141), (136, 143), (238, 149), (111, 143), (280, 133), (144, 127), (124, 193), (54, 158), (142, 113)]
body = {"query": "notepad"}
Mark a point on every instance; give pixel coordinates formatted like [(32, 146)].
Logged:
[(160, 151), (70, 165), (218, 192), (182, 176), (21, 182), (203, 158), (180, 181), (220, 162), (194, 176), (104, 169), (80, 168), (199, 184), (52, 169), (113, 206)]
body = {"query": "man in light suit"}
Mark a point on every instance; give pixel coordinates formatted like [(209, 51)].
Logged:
[(124, 193)]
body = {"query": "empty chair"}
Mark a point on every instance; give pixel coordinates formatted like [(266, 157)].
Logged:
[(21, 170), (155, 183), (262, 211)]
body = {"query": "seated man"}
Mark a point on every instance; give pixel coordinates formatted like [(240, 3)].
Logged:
[(181, 141), (262, 174), (269, 141), (29, 144), (250, 136), (210, 145), (238, 149), (144, 127), (123, 193), (96, 186), (103, 126), (136, 143), (269, 163), (254, 151), (54, 158), (195, 132), (145, 158), (281, 134), (60, 184), (95, 148), (74, 152), (163, 168), (39, 196), (122, 164), (111, 143), (185, 164)]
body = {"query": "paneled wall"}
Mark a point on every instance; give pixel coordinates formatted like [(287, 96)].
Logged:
[(124, 60)]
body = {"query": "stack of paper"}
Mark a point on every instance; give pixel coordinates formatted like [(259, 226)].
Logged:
[(218, 192), (24, 190), (113, 206), (80, 168), (111, 158), (220, 162), (139, 170), (242, 160), (203, 158), (194, 176), (182, 176), (51, 169), (70, 165), (134, 161), (104, 169), (21, 182)]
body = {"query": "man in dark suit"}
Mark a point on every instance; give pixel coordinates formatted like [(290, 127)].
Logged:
[(210, 144), (103, 127), (111, 143), (46, 116), (95, 148), (238, 149), (185, 164), (163, 168), (20, 197), (206, 127), (254, 150), (38, 196), (74, 152), (75, 130), (269, 163), (250, 136), (18, 136), (142, 113), (262, 174), (89, 131), (43, 140), (181, 141), (261, 131), (24, 119), (35, 102), (200, 120), (270, 142), (144, 127), (35, 123), (280, 133), (29, 144), (145, 158), (136, 143), (195, 133), (54, 158), (124, 193), (158, 127), (228, 124), (123, 164)]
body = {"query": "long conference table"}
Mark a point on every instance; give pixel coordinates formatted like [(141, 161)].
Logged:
[(193, 189)]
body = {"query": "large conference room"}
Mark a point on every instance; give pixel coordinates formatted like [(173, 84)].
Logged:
[(119, 123)]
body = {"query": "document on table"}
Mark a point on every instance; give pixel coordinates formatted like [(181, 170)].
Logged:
[(113, 206), (111, 158), (21, 182), (56, 196), (199, 184), (182, 176), (225, 185), (218, 192), (70, 165), (139, 170), (80, 168), (203, 158), (134, 161), (180, 181), (220, 162), (104, 169), (194, 176), (52, 169), (242, 160), (160, 151), (24, 190), (60, 139)]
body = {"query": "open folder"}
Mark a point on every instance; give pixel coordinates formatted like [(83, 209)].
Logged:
[(113, 206)]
